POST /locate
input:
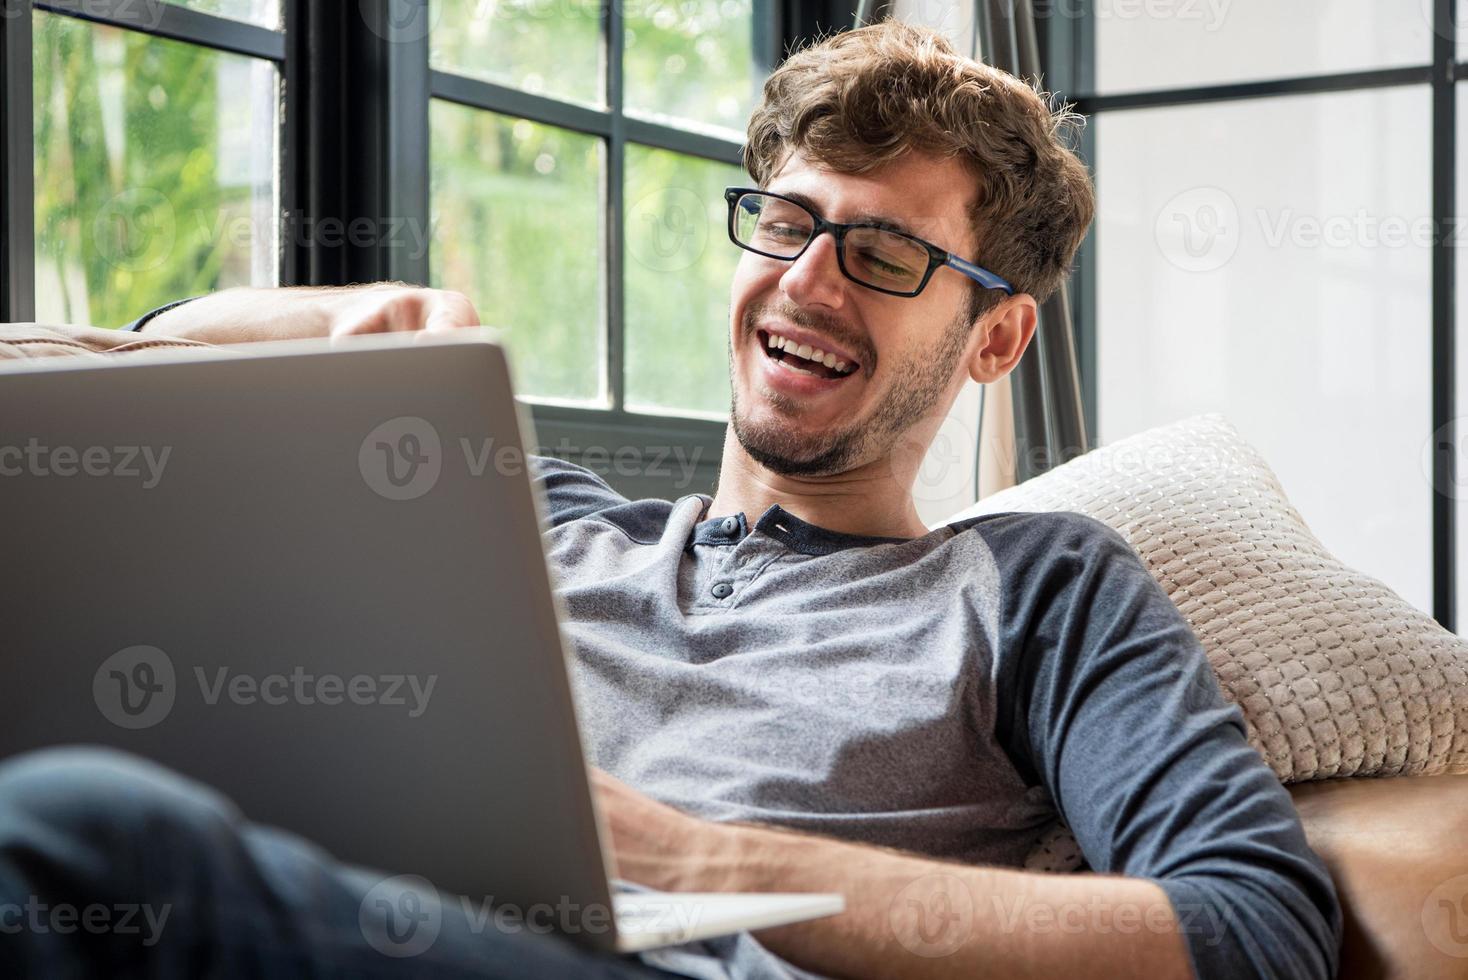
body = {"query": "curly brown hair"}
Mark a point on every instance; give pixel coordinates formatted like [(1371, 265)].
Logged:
[(857, 100)]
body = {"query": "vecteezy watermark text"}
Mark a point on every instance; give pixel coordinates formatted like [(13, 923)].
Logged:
[(121, 462), (936, 914), (1200, 229), (402, 916), (402, 458), (137, 687), (63, 919), (300, 687)]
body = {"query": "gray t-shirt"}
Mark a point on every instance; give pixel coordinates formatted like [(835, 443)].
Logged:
[(951, 695)]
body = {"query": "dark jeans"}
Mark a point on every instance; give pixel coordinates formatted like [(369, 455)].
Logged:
[(112, 866)]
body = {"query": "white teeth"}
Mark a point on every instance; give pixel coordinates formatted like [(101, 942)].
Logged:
[(809, 353)]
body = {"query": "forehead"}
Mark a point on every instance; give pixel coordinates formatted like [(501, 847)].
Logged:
[(922, 195)]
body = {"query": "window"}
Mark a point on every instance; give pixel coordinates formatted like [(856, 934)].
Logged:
[(582, 210), (1171, 44), (518, 218), (155, 154), (1243, 268), (1271, 242), (560, 161)]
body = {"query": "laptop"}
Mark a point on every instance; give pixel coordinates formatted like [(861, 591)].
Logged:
[(310, 574)]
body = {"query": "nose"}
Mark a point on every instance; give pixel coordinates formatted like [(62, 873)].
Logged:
[(815, 278)]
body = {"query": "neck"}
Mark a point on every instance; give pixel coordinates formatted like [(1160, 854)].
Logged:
[(874, 499)]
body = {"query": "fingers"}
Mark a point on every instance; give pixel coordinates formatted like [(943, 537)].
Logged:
[(388, 309), (450, 311)]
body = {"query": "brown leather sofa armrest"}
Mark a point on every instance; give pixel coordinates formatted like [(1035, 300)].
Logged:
[(29, 340), (1398, 851)]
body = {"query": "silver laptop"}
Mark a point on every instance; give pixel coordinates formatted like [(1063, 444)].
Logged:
[(311, 575)]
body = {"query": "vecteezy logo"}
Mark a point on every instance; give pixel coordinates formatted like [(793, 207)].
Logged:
[(942, 474), (1445, 917), (1446, 478), (401, 459), (933, 915), (135, 688), (135, 230), (407, 21), (1453, 30), (667, 229), (401, 917), (1198, 230)]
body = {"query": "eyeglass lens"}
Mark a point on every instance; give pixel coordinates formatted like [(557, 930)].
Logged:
[(874, 256)]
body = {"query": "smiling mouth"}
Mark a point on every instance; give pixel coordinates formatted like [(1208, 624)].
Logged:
[(804, 358)]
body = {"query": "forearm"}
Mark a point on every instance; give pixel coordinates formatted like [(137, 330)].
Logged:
[(911, 917), (246, 315)]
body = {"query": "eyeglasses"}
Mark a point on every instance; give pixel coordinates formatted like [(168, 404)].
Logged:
[(868, 254)]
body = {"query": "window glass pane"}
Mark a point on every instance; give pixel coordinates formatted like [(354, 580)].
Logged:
[(266, 13), (1152, 44), (1270, 259), (679, 266), (155, 171), (517, 221), (548, 47), (693, 61), (1459, 29)]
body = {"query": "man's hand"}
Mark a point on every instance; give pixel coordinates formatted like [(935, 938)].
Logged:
[(240, 315), (653, 844), (907, 916)]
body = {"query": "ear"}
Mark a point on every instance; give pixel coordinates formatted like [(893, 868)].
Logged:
[(1001, 336)]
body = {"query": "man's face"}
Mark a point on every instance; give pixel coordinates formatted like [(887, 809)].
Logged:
[(909, 352)]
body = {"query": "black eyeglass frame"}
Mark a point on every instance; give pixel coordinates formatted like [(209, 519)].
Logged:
[(937, 257)]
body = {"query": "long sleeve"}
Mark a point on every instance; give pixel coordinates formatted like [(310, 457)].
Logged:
[(1107, 699)]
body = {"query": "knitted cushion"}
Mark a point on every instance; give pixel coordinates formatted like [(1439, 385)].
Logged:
[(1336, 674)]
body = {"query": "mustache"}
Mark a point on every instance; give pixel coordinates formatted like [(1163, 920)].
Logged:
[(835, 329)]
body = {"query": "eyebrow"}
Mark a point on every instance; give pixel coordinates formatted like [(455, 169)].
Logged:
[(866, 217)]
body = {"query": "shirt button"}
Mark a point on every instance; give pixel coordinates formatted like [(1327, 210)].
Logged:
[(723, 590), (730, 525)]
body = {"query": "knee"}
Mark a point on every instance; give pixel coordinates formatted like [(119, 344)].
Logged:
[(102, 797)]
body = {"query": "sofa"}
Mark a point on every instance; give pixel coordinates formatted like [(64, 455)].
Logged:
[(1357, 701)]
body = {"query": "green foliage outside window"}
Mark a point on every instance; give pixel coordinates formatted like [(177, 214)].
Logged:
[(151, 180), (691, 60), (679, 265), (548, 47), (517, 226), (155, 166), (524, 241)]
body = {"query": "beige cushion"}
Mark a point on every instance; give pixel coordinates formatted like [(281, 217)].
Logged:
[(1336, 674), (32, 340)]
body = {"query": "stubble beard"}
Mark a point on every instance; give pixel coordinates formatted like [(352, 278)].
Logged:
[(788, 452)]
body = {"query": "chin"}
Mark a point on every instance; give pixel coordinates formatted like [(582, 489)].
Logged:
[(775, 443)]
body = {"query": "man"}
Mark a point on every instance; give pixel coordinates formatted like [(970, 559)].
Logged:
[(794, 685)]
